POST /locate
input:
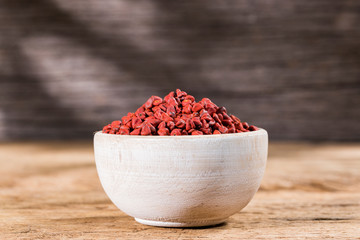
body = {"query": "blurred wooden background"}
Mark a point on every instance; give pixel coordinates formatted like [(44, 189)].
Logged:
[(68, 67)]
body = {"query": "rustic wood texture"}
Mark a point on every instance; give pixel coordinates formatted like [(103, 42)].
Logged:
[(67, 67), (51, 191)]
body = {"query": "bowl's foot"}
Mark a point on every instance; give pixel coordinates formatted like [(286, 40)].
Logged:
[(180, 224)]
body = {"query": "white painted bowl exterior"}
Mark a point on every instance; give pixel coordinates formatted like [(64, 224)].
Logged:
[(181, 181)]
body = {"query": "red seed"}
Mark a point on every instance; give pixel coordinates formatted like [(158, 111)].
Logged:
[(171, 111), (180, 124), (129, 124), (145, 130), (124, 131), (178, 100), (178, 110), (180, 93), (124, 127), (125, 119), (206, 100), (226, 116), (235, 119), (212, 123), (116, 123), (216, 118), (164, 106), (223, 129), (217, 126), (176, 132), (226, 122), (197, 122), (205, 115), (186, 102), (171, 100), (149, 103), (197, 107), (221, 110), (155, 122), (152, 128), (156, 108), (206, 130), (158, 114), (157, 100), (245, 125), (149, 113), (204, 123), (162, 125), (140, 109), (136, 132), (171, 94), (165, 117), (189, 97), (187, 109), (238, 125), (253, 128), (189, 124), (231, 129), (135, 122), (141, 115), (163, 131), (196, 132), (107, 127), (211, 110), (216, 132), (171, 125)]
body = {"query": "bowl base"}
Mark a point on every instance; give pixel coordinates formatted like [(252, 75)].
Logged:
[(200, 223)]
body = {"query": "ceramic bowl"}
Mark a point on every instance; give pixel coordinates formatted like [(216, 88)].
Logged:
[(181, 181)]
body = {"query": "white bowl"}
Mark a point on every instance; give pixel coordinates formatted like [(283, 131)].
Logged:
[(181, 181)]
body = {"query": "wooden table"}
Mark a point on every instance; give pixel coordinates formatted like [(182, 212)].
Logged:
[(51, 191)]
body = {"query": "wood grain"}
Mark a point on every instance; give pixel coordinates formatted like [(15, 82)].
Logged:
[(68, 67), (51, 191)]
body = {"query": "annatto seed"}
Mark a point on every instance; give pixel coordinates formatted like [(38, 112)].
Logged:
[(178, 114), (145, 130), (180, 123), (253, 128), (135, 132), (162, 125), (163, 131), (189, 124), (171, 125), (197, 107), (157, 100), (196, 132), (175, 132)]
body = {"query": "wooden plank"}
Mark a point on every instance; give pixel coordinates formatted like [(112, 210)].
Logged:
[(292, 67), (51, 190)]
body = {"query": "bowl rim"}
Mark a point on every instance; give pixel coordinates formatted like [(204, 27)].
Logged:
[(261, 131)]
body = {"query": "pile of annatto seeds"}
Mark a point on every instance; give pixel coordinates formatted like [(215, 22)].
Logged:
[(178, 114)]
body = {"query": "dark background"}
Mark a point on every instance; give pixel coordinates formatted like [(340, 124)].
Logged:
[(68, 67)]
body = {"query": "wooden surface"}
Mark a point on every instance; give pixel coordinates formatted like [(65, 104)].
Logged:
[(291, 67), (51, 191)]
